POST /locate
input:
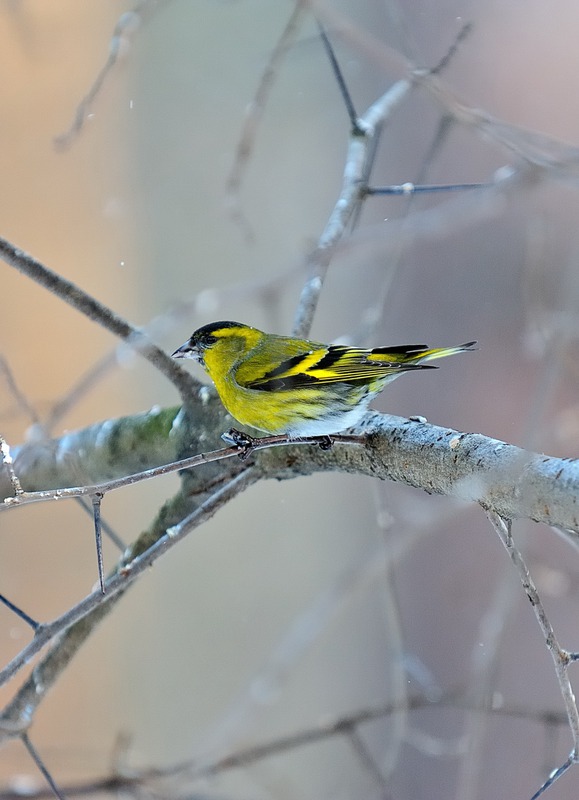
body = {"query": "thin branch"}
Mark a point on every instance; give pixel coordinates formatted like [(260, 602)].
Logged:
[(20, 613), (242, 451), (360, 154), (560, 656), (410, 188), (541, 152), (353, 189), (34, 755), (443, 219), (18, 395), (81, 387), (447, 58), (96, 500), (105, 527), (362, 750), (390, 60), (484, 662), (554, 776), (337, 727), (125, 28), (253, 116), (340, 80), (97, 312), (75, 625)]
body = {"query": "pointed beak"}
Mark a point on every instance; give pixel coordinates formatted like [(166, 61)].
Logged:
[(186, 351)]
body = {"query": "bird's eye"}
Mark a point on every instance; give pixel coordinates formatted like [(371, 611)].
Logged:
[(208, 340)]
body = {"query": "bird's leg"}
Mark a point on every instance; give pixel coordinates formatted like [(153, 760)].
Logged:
[(246, 444), (242, 441)]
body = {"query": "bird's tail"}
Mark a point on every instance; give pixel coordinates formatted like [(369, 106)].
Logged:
[(416, 353), (442, 352)]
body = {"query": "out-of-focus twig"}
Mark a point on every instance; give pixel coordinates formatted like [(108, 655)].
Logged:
[(253, 115), (126, 27), (561, 657), (361, 150), (96, 311)]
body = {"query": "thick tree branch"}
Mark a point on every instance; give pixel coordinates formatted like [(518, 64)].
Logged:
[(514, 483)]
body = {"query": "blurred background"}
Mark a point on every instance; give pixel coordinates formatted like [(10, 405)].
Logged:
[(305, 600)]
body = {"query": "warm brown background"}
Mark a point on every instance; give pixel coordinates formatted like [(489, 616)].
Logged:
[(135, 213)]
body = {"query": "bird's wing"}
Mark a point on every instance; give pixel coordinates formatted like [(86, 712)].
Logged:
[(321, 365)]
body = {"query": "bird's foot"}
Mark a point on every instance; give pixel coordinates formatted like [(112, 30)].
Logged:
[(244, 443)]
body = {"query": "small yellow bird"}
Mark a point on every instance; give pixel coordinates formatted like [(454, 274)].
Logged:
[(296, 387)]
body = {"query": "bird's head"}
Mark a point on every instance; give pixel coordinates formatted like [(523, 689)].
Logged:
[(220, 342)]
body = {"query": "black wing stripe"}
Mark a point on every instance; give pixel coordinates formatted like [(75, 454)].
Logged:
[(285, 366), (303, 380), (333, 354), (401, 349), (283, 384)]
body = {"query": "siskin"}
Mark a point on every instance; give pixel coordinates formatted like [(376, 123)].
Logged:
[(296, 387)]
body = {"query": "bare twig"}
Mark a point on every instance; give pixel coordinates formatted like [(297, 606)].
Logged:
[(351, 194), (338, 727), (99, 313), (449, 55), (484, 662), (304, 631), (408, 189), (554, 776), (340, 80), (35, 756), (19, 612), (560, 656), (126, 27), (75, 625), (361, 150), (541, 152), (96, 500), (240, 450), (374, 312), (105, 527), (253, 115), (81, 387), (19, 396), (362, 750)]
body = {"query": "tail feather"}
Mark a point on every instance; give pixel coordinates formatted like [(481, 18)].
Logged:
[(416, 354), (442, 352)]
